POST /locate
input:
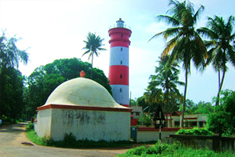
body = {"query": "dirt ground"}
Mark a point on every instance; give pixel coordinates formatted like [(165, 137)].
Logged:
[(12, 137)]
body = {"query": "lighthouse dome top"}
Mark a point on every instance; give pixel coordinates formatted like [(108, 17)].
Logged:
[(120, 24), (82, 92)]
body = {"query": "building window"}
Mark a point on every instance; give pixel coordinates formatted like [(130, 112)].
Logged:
[(137, 113), (121, 62), (120, 90), (121, 48), (121, 34), (121, 76)]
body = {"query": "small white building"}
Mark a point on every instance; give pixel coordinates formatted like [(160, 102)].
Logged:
[(84, 108)]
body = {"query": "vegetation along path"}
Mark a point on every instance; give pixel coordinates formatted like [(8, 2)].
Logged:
[(14, 143)]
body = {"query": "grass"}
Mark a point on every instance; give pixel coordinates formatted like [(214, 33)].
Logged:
[(174, 150)]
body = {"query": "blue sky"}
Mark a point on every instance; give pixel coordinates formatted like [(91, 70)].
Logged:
[(55, 29)]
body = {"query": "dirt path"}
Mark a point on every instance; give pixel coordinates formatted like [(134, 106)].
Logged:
[(12, 136)]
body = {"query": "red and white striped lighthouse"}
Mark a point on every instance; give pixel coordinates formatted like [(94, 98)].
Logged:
[(119, 62)]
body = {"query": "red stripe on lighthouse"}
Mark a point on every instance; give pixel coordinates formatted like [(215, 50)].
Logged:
[(119, 37), (119, 43), (119, 74)]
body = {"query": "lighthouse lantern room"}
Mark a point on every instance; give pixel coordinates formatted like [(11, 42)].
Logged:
[(119, 62)]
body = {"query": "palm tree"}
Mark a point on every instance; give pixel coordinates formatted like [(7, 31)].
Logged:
[(10, 55), (220, 46), (93, 46), (185, 44), (167, 79)]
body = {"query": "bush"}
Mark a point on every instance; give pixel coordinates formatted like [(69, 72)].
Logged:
[(69, 139), (195, 132), (175, 150), (222, 120), (29, 126), (145, 119), (7, 120)]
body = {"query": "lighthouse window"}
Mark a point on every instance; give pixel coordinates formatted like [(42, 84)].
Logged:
[(120, 62), (121, 76), (120, 90), (121, 48), (121, 35)]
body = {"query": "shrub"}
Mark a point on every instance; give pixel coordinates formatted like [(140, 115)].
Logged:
[(175, 150), (195, 131), (29, 126), (145, 119), (7, 120), (137, 151), (69, 139)]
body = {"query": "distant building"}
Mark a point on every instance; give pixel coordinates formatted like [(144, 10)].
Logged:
[(136, 111), (190, 120)]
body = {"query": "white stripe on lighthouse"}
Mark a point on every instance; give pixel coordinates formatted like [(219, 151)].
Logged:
[(121, 93), (119, 56)]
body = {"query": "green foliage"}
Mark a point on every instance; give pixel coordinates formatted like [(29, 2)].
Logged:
[(185, 44), (10, 55), (69, 139), (7, 120), (162, 88), (93, 46), (11, 80), (195, 131), (45, 79), (224, 115), (175, 150), (29, 126), (11, 95), (200, 108), (221, 49), (145, 119)]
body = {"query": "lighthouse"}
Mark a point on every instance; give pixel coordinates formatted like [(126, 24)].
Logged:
[(119, 62)]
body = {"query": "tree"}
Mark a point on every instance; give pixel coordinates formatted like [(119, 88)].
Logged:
[(10, 55), (167, 79), (11, 95), (200, 108), (93, 46), (11, 80), (45, 79), (185, 44), (223, 116), (220, 46)]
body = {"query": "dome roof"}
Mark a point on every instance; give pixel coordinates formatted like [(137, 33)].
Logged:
[(82, 92)]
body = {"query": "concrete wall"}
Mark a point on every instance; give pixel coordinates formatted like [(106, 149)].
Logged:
[(43, 124), (151, 134), (215, 143), (90, 125)]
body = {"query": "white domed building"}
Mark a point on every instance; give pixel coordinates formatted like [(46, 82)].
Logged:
[(84, 108)]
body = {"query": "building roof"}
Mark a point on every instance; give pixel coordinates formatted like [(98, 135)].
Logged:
[(82, 92)]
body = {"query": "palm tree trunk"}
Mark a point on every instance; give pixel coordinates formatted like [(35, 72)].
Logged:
[(220, 87), (92, 65), (185, 92), (222, 81), (217, 101)]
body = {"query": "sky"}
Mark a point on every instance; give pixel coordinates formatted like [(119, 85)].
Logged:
[(56, 29)]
